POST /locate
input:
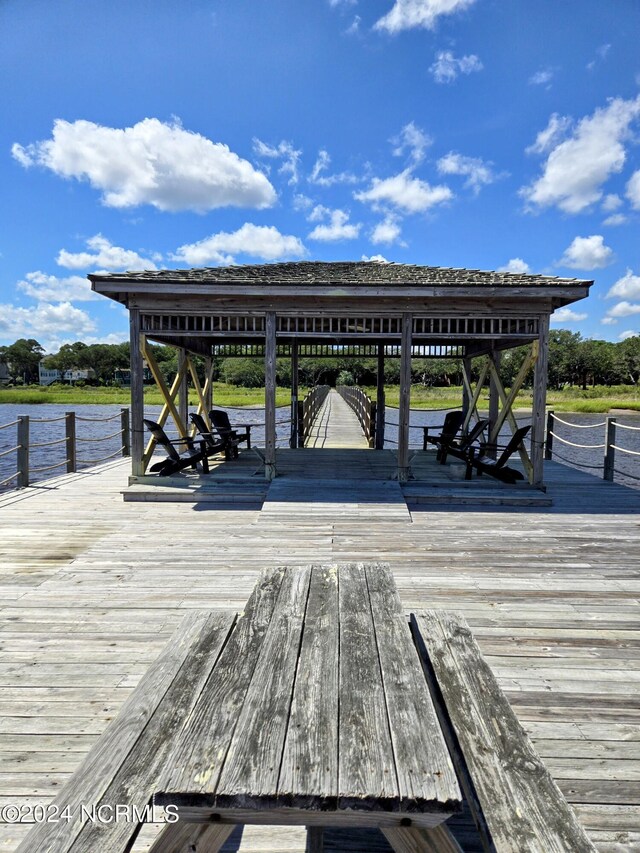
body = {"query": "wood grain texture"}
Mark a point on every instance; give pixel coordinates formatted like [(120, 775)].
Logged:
[(107, 771), (425, 773), (309, 764), (367, 774), (521, 805)]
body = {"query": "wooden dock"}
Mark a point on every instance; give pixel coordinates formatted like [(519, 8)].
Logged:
[(92, 586)]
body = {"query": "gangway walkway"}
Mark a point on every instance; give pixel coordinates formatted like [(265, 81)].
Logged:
[(336, 425)]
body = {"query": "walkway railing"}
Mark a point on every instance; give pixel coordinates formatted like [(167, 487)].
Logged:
[(71, 445), (609, 445), (364, 408), (307, 413)]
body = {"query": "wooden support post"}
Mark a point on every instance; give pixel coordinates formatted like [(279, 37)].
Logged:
[(293, 440), (126, 432), (609, 449), (466, 385), (494, 397), (380, 400), (23, 451), (548, 445), (183, 390), (405, 399), (208, 386), (137, 394), (70, 434), (181, 837), (270, 396), (417, 840), (539, 404)]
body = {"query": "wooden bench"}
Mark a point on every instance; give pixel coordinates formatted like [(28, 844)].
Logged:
[(312, 708), (516, 805)]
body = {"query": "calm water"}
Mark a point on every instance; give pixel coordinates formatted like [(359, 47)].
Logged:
[(47, 424), (89, 451)]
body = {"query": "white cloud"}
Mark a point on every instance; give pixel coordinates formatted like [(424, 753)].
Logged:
[(601, 54), (285, 152), (623, 309), (413, 141), (105, 255), (627, 287), (379, 259), (615, 219), (516, 265), (407, 14), (50, 288), (447, 67), (587, 253), (633, 190), (577, 167), (608, 321), (337, 228), (43, 321), (541, 77), (611, 202), (354, 27), (553, 133), (320, 167), (623, 336), (566, 315), (335, 3), (150, 163), (405, 192), (388, 231), (477, 172), (258, 241)]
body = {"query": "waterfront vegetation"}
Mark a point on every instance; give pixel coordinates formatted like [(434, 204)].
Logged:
[(600, 398)]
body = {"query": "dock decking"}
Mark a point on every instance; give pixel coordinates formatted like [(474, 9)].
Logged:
[(92, 586)]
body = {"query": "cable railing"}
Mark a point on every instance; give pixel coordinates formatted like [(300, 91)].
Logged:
[(607, 463), (70, 461)]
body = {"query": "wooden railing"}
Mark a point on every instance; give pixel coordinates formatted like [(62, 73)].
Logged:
[(363, 406), (72, 460), (308, 411)]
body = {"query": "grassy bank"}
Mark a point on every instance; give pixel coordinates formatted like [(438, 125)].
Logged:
[(599, 399), (223, 395)]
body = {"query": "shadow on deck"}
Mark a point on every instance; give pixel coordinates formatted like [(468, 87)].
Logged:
[(362, 476)]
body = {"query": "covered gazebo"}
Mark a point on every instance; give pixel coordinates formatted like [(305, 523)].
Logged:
[(283, 309)]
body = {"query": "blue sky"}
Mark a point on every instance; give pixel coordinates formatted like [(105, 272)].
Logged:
[(490, 134)]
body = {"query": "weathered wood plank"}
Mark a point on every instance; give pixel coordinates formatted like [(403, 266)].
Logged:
[(198, 758), (423, 765), (367, 773), (520, 805), (310, 758), (252, 765), (107, 757)]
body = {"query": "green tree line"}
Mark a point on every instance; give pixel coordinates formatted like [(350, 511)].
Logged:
[(573, 361)]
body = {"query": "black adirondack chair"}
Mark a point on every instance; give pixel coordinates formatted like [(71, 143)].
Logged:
[(460, 447), (215, 441), (448, 430), (497, 467), (221, 423), (175, 461)]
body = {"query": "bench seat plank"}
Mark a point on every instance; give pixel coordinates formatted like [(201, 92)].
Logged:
[(518, 807), (426, 777), (123, 765)]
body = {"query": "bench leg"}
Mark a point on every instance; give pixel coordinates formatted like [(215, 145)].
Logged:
[(417, 840), (185, 837), (315, 839)]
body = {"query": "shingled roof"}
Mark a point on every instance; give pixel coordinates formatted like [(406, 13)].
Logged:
[(344, 273)]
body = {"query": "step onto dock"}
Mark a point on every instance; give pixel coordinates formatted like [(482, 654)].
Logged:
[(434, 496), (235, 494)]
